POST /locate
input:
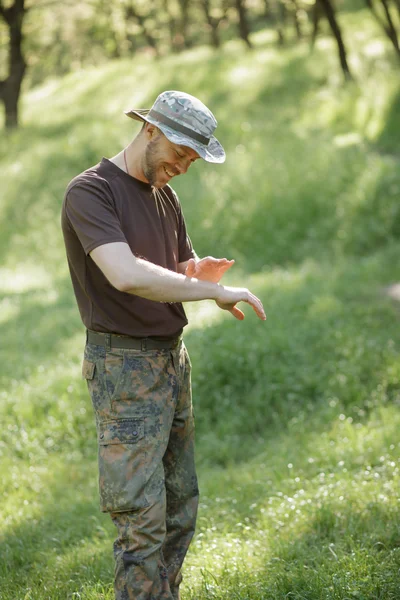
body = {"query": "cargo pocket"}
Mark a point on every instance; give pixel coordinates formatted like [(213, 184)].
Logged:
[(97, 390), (88, 369), (122, 465)]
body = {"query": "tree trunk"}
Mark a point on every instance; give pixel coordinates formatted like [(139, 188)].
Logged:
[(131, 13), (397, 2), (171, 26), (296, 20), (244, 30), (275, 14), (329, 11), (106, 8), (391, 30), (213, 23), (388, 27), (280, 17), (316, 19), (267, 11), (184, 26), (10, 88)]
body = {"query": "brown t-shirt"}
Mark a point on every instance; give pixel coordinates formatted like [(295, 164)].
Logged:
[(103, 205)]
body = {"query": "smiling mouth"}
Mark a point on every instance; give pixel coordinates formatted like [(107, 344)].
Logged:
[(169, 173)]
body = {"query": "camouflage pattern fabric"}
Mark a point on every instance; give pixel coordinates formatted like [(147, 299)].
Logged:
[(147, 479)]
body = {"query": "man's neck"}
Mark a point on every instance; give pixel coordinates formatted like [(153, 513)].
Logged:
[(129, 160)]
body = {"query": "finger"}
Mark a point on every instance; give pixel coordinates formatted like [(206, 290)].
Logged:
[(207, 260), (216, 260), (224, 264), (227, 265), (190, 268), (257, 306), (237, 313), (210, 260)]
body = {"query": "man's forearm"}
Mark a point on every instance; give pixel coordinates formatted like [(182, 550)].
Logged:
[(133, 275), (161, 285)]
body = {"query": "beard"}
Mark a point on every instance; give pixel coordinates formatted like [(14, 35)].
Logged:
[(149, 164), (152, 164)]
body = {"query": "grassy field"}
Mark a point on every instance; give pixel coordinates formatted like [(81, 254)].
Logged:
[(297, 418)]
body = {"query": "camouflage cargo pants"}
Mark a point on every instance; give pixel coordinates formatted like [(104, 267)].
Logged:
[(147, 479)]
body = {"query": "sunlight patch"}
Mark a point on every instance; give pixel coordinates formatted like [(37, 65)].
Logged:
[(203, 314), (348, 139), (239, 74), (24, 278), (374, 48), (8, 310), (43, 91)]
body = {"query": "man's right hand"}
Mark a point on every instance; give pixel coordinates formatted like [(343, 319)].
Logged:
[(228, 297)]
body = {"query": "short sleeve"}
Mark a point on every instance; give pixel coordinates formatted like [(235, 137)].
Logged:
[(90, 211)]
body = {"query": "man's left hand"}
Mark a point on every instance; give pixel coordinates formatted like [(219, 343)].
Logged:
[(208, 268)]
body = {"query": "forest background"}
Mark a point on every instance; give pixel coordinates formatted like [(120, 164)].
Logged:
[(297, 418)]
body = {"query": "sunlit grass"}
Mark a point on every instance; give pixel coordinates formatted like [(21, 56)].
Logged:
[(297, 418)]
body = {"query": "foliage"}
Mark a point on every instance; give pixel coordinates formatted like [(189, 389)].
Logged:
[(297, 418), (64, 36), (54, 38)]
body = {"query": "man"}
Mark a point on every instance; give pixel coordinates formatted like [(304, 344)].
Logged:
[(132, 265)]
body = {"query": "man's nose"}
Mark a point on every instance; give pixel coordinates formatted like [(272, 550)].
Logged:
[(182, 166)]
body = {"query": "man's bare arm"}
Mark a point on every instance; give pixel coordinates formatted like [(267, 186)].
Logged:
[(133, 275)]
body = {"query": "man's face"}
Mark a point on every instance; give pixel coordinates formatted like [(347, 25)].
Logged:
[(163, 160)]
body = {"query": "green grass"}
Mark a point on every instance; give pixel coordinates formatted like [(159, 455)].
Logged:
[(297, 418)]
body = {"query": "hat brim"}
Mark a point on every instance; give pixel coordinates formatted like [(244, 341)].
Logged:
[(213, 152)]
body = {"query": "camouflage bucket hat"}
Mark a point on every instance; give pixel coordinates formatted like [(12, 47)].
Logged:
[(184, 120)]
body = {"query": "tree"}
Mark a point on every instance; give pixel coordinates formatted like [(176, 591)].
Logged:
[(244, 30), (387, 22), (184, 24), (171, 23), (131, 12), (10, 87), (296, 19), (106, 11), (213, 22), (316, 20), (275, 14), (328, 9)]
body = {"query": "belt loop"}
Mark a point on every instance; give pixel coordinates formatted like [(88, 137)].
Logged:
[(144, 345), (107, 339)]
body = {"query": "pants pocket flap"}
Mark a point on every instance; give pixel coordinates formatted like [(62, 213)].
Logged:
[(123, 431), (88, 369)]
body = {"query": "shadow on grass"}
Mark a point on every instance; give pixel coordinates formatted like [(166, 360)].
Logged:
[(38, 330), (346, 552), (388, 141), (64, 546), (252, 381), (327, 346), (344, 546)]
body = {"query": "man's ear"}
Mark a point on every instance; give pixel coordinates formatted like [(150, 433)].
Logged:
[(151, 131)]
